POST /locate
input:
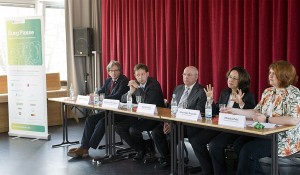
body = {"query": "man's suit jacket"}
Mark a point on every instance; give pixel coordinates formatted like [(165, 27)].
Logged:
[(248, 99), (152, 94), (196, 99), (120, 88)]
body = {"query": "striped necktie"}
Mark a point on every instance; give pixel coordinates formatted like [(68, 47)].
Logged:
[(184, 97), (112, 86)]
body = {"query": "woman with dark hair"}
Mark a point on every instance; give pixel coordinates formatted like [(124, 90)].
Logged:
[(278, 105), (237, 95)]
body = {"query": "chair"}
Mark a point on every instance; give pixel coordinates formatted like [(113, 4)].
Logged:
[(230, 159), (286, 165)]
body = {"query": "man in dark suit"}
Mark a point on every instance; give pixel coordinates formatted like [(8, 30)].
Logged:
[(150, 91), (114, 87), (193, 96)]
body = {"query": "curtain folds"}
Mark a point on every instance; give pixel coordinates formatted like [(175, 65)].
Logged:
[(69, 44), (213, 35), (96, 25), (80, 68)]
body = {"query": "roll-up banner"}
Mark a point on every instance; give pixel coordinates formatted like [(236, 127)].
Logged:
[(27, 98)]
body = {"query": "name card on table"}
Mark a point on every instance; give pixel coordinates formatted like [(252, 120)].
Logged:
[(110, 103), (232, 120), (82, 99), (188, 114), (146, 108)]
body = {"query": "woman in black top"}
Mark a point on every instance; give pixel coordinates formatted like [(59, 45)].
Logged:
[(237, 95)]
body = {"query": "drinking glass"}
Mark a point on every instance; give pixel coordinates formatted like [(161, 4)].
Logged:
[(221, 106), (138, 99), (101, 97), (91, 98)]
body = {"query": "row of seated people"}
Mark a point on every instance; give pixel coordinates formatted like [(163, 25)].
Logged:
[(277, 105)]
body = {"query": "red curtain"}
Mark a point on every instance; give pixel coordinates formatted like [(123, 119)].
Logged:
[(213, 35)]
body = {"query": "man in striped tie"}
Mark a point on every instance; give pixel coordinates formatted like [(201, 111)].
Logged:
[(114, 87), (190, 95)]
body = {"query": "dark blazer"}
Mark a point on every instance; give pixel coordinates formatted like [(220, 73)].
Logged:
[(120, 88), (151, 95), (248, 99), (196, 99)]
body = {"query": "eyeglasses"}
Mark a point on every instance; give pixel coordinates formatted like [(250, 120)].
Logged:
[(232, 77), (113, 70), (188, 75)]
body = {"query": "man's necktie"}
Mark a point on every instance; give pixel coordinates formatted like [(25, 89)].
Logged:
[(184, 97), (113, 84)]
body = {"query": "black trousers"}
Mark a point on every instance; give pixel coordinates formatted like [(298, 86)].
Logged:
[(161, 140), (132, 131), (198, 138), (94, 129), (217, 146)]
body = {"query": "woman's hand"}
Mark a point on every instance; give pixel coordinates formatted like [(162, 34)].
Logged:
[(237, 97), (249, 113), (258, 117), (228, 110), (209, 91)]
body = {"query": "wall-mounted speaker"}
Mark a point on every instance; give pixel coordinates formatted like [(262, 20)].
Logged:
[(83, 41)]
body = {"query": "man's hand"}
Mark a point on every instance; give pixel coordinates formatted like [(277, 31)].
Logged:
[(167, 128), (133, 85), (209, 91)]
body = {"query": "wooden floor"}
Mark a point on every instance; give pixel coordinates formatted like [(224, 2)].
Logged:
[(23, 156)]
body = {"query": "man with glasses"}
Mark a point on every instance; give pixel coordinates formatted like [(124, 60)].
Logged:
[(114, 87)]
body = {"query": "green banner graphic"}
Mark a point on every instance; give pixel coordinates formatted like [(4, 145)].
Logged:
[(24, 41), (25, 127)]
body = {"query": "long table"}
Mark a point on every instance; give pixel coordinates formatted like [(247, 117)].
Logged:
[(270, 133), (164, 114), (65, 101)]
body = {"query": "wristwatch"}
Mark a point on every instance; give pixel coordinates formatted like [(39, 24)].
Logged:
[(267, 118)]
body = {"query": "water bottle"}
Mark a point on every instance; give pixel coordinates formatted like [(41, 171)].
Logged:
[(96, 97), (174, 106), (71, 92), (129, 101), (208, 109)]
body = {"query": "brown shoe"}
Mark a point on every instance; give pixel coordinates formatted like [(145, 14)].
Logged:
[(79, 152), (72, 149)]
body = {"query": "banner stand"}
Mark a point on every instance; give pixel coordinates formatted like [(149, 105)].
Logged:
[(48, 137), (26, 78)]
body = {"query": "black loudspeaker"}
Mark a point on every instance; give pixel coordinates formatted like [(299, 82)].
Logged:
[(83, 41)]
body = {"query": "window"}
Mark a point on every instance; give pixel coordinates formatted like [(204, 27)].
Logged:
[(7, 12), (55, 41), (55, 35)]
